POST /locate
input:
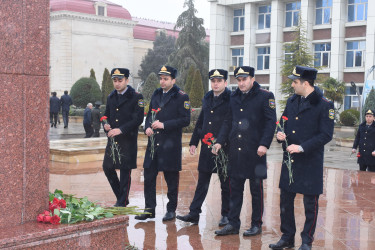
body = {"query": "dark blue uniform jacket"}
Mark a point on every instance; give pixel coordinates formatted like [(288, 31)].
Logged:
[(310, 124), (175, 114), (210, 120), (365, 139), (253, 124), (126, 113)]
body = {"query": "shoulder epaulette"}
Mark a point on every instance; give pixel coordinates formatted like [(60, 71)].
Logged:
[(265, 90), (182, 92), (325, 99)]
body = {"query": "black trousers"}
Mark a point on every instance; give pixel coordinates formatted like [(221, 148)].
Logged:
[(236, 199), (89, 130), (171, 177), (201, 193), (288, 224), (65, 115), (96, 132), (120, 186), (364, 167), (53, 118)]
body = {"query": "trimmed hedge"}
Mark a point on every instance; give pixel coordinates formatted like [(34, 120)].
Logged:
[(85, 90), (349, 117)]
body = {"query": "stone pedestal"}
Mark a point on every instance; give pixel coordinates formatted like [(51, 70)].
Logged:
[(24, 144)]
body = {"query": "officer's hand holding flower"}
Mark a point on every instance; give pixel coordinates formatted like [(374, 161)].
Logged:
[(107, 127), (157, 125), (192, 149), (149, 132), (281, 136), (216, 148), (114, 132), (293, 149)]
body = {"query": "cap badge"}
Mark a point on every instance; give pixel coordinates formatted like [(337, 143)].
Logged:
[(117, 72), (295, 72), (216, 73), (163, 69), (369, 112)]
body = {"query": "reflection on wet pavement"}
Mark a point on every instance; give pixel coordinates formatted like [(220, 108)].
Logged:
[(346, 214)]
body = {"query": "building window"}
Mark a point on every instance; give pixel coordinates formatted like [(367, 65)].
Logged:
[(322, 54), (351, 98), (288, 53), (264, 17), (237, 57), (239, 20), (101, 11), (263, 59), (323, 11), (292, 14), (355, 54), (357, 10)]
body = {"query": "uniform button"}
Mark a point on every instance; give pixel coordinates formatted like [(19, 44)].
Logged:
[(366, 132), (209, 122), (239, 122), (212, 111), (157, 144), (239, 136), (364, 150), (241, 110), (208, 146), (116, 109), (364, 143), (296, 118), (116, 142), (365, 138), (116, 120), (157, 132), (293, 132), (292, 160), (239, 149)]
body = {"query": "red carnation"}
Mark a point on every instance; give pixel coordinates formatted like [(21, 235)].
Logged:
[(46, 212), (53, 206), (285, 118), (103, 118), (145, 113), (359, 154), (209, 135), (62, 203), (277, 123), (55, 219), (47, 218), (153, 110), (55, 201), (40, 218)]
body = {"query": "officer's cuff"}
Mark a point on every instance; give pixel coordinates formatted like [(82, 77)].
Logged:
[(300, 148)]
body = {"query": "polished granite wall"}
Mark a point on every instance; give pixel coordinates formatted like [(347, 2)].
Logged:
[(24, 81)]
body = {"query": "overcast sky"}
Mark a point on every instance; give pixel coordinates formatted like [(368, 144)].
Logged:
[(164, 10)]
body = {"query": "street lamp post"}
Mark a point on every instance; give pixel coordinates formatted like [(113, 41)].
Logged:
[(359, 99)]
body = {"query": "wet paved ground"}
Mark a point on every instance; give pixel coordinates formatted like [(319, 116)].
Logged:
[(345, 221)]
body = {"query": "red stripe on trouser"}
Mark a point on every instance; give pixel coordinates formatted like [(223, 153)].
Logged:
[(314, 219), (127, 194)]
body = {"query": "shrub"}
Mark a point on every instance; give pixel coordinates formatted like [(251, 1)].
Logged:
[(196, 91), (85, 90), (193, 120), (349, 117)]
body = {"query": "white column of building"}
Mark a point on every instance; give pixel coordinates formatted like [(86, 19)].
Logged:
[(338, 39), (277, 53), (370, 39), (307, 18), (219, 36), (250, 37)]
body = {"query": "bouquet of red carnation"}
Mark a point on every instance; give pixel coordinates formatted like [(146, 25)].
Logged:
[(115, 150), (152, 138), (221, 159), (288, 162), (358, 154), (52, 216)]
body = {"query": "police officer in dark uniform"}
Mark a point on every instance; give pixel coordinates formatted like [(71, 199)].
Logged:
[(96, 115), (166, 130), (215, 109), (365, 139), (308, 126), (124, 111), (252, 130)]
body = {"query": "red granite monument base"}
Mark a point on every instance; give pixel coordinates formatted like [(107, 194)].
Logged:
[(110, 233)]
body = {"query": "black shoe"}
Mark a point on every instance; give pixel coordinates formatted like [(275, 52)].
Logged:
[(169, 216), (281, 244), (65, 126), (117, 204), (305, 246), (188, 218), (254, 230), (228, 229), (151, 214), (55, 125), (223, 221), (51, 125)]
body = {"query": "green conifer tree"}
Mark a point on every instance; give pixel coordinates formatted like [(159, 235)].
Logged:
[(150, 85), (369, 103), (196, 91), (92, 74), (189, 79), (107, 85)]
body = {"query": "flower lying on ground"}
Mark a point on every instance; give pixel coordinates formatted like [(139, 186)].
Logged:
[(68, 209)]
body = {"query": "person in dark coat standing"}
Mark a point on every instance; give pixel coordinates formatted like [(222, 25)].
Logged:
[(308, 121), (365, 139), (96, 115), (87, 121), (124, 112), (166, 131), (54, 103), (65, 101), (253, 122), (215, 109)]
